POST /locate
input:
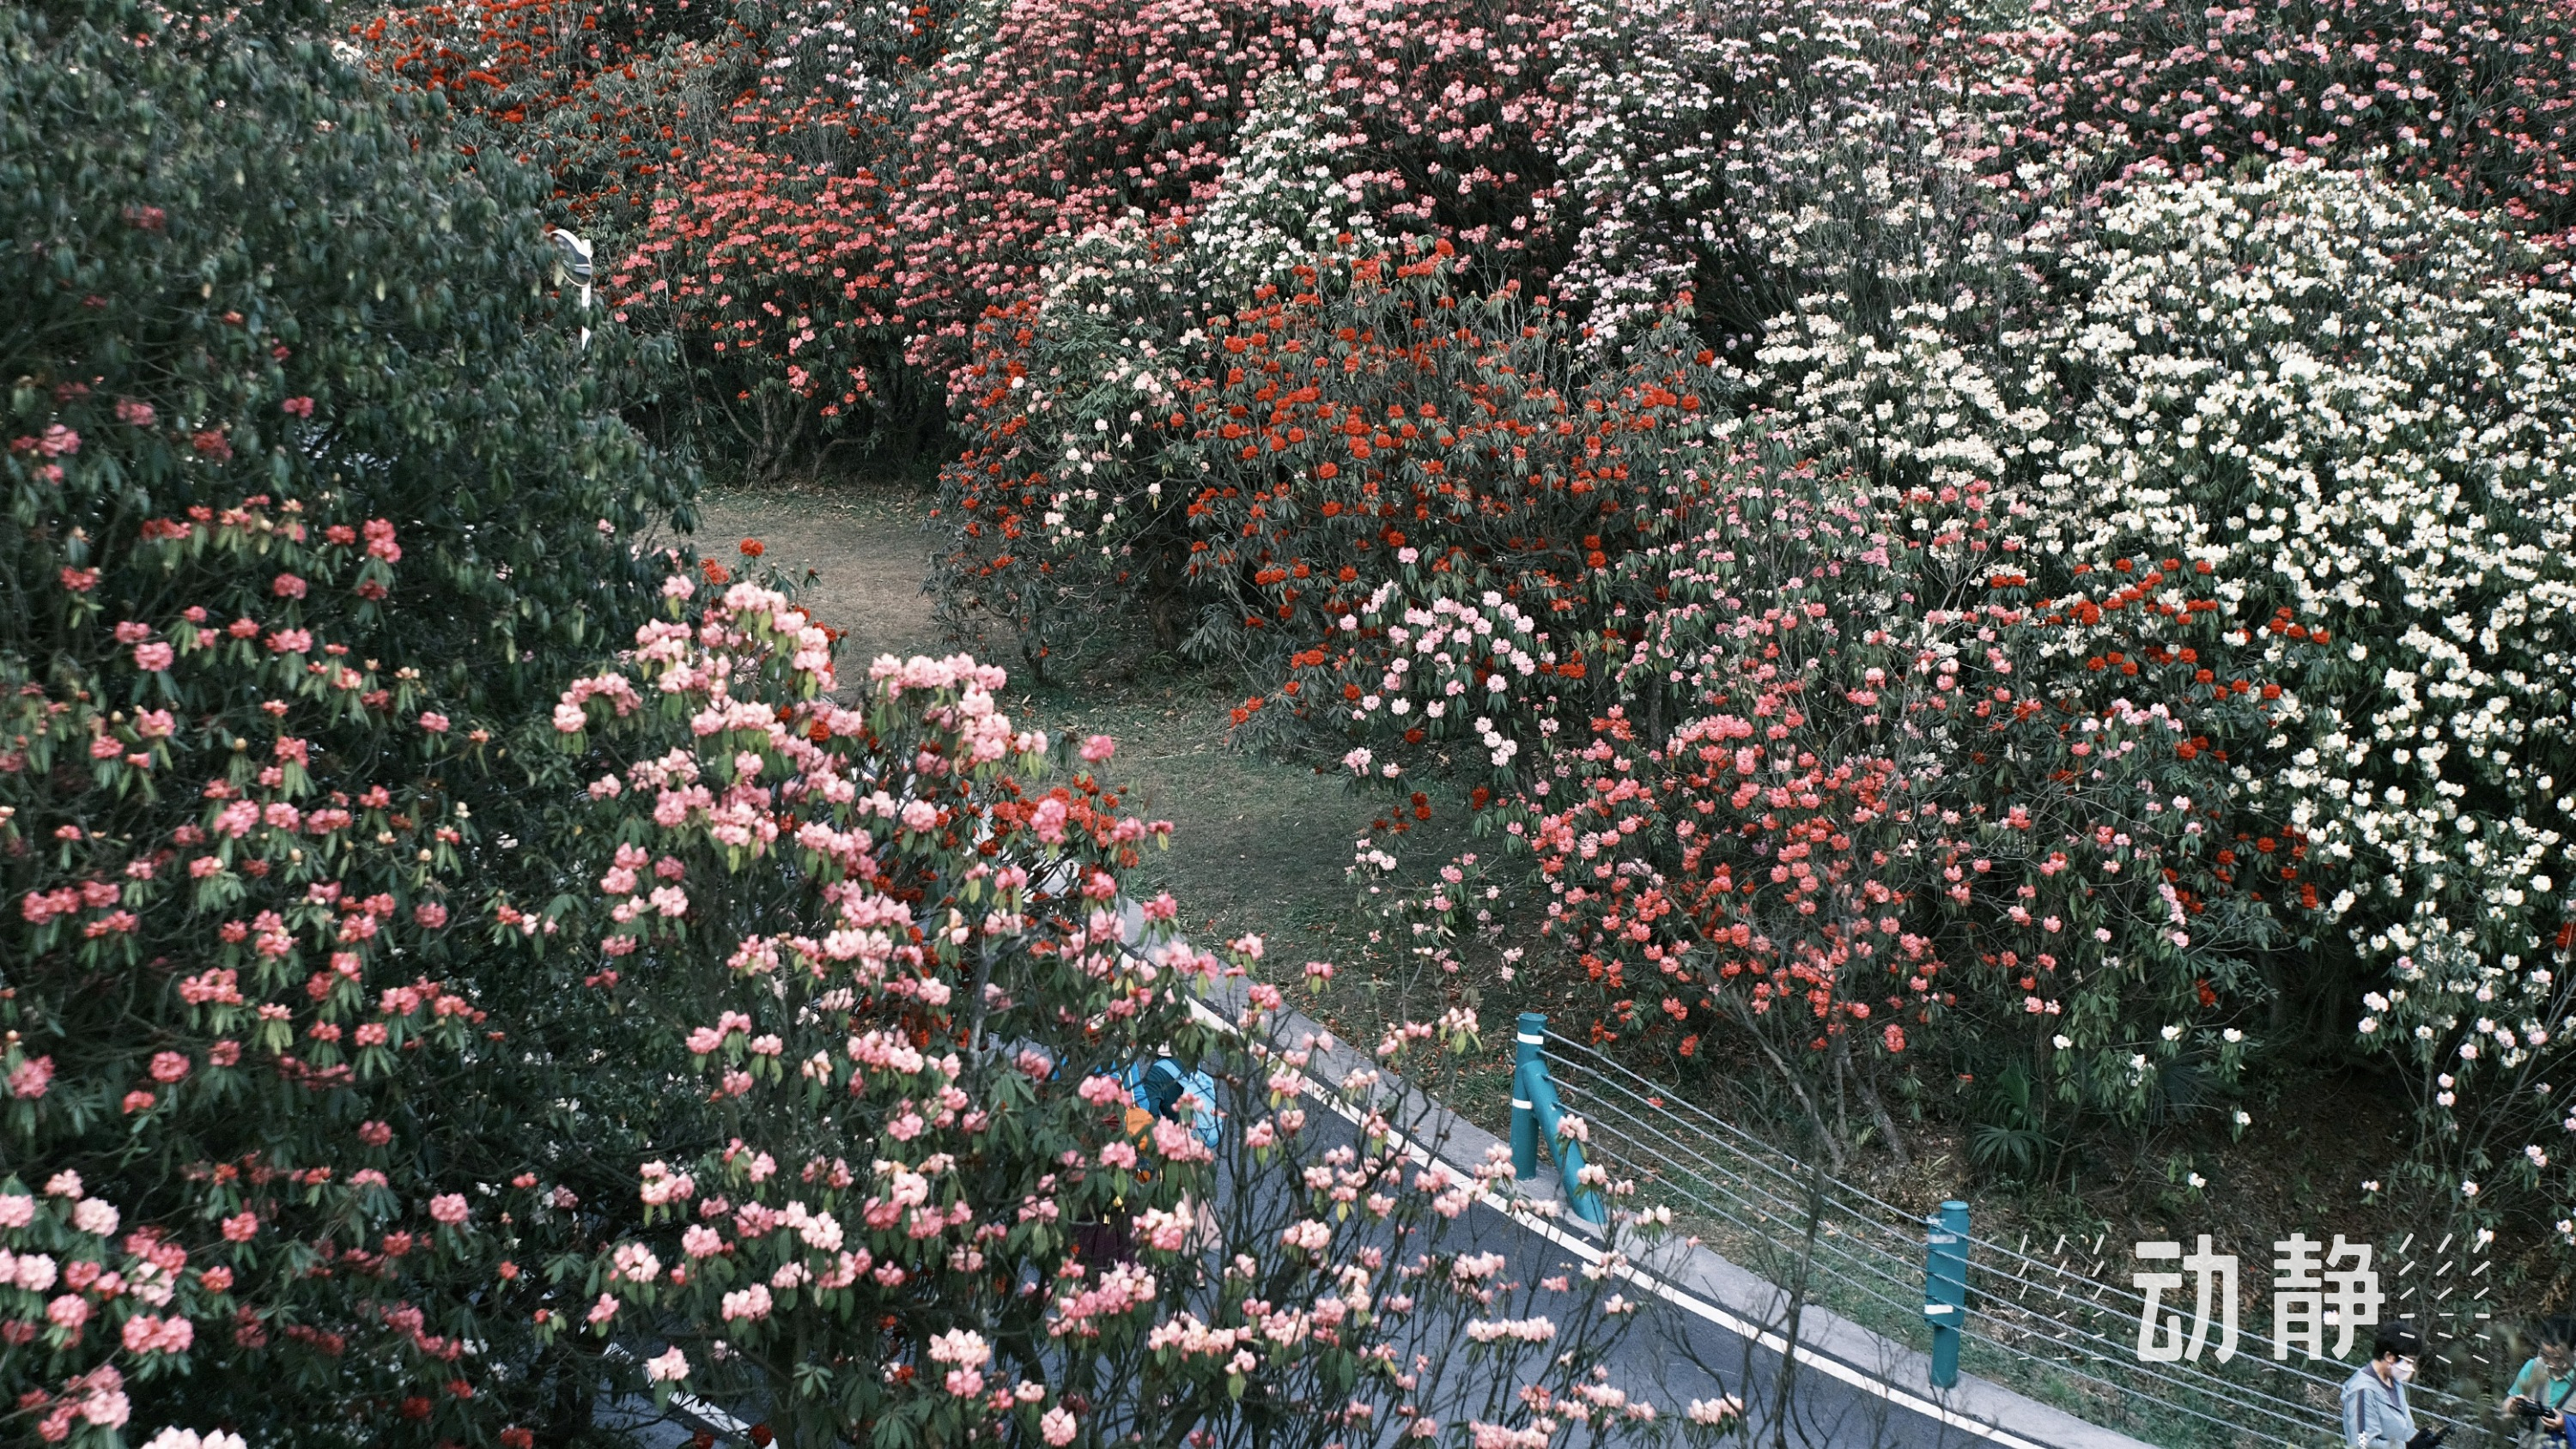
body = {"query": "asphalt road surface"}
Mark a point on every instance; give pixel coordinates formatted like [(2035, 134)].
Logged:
[(1671, 1355)]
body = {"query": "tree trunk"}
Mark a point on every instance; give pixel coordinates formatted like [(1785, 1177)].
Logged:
[(1885, 1120), (1806, 1102), (1785, 1386)]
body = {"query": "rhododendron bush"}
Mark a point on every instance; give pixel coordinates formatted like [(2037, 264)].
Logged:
[(724, 161), (262, 689), (2343, 400), (1368, 435), (1753, 153), (239, 964), (771, 274), (603, 96), (909, 976), (1428, 116), (816, 215), (1854, 796), (2473, 98)]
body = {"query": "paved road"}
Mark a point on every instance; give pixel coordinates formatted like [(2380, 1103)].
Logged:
[(1671, 1355), (1668, 1355)]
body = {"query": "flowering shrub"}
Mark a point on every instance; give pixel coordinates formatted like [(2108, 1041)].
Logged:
[(2474, 97), (1406, 516), (1889, 799), (254, 900), (772, 276), (862, 57), (2423, 558), (606, 97), (2342, 400), (1750, 154), (725, 161), (1430, 117), (1366, 443), (1208, 413), (1383, 446), (1063, 475), (93, 1302), (260, 808), (909, 977), (1068, 116), (1431, 120), (1281, 201)]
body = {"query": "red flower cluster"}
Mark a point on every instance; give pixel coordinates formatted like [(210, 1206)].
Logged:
[(1889, 792), (773, 275), (610, 97)]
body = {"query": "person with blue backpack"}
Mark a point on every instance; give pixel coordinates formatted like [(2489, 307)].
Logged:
[(1158, 1090), (1162, 1086)]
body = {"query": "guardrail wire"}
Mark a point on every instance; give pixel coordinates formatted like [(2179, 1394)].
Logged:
[(2034, 1323)]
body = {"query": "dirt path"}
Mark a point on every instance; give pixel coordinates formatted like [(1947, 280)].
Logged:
[(869, 551)]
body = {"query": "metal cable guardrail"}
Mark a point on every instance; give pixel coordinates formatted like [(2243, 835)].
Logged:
[(2031, 1320)]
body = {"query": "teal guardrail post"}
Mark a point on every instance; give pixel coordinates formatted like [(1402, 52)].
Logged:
[(1536, 1117), (1945, 1287), (1526, 1043)]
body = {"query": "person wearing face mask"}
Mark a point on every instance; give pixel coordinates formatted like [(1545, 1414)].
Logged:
[(2375, 1414)]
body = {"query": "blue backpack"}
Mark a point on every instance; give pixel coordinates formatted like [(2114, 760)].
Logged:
[(1159, 1086)]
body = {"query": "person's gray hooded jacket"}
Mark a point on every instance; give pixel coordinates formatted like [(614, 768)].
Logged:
[(2375, 1415)]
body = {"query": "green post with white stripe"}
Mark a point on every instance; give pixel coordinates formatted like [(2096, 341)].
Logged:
[(1945, 1287)]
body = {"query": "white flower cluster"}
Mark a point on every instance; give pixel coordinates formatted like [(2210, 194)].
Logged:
[(2351, 405), (865, 53), (1727, 153), (1436, 650), (1112, 300), (1281, 202)]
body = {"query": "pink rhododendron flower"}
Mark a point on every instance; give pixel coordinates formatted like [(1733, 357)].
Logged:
[(145, 1333), (34, 1272), (30, 1078)]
